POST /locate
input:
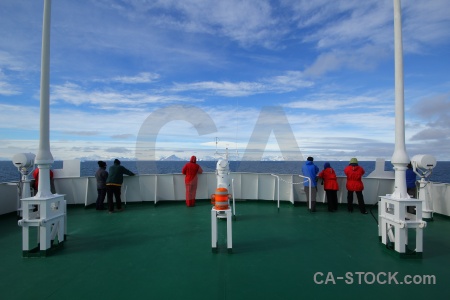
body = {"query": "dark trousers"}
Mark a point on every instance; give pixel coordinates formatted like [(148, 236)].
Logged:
[(110, 191), (101, 194), (313, 196), (332, 200), (361, 204), (412, 192)]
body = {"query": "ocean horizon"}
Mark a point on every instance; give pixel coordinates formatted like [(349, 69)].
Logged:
[(8, 172)]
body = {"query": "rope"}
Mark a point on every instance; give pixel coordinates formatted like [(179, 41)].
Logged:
[(286, 180)]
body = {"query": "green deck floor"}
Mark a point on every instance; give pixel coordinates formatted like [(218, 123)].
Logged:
[(164, 252)]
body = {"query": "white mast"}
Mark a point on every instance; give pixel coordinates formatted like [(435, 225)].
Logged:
[(400, 158), (44, 158)]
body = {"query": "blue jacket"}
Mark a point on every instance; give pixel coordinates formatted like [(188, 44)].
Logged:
[(310, 170), (410, 179)]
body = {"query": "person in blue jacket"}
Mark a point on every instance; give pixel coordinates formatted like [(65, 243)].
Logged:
[(411, 188), (411, 179), (310, 170)]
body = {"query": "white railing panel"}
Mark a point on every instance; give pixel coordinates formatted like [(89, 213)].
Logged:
[(131, 189), (266, 187), (165, 188), (374, 188), (237, 180), (74, 189), (92, 191), (8, 198), (180, 187), (287, 188), (147, 187), (249, 186), (211, 185), (440, 195), (207, 183)]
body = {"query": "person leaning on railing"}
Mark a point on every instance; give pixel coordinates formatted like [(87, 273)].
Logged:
[(114, 184), (354, 173), (191, 169), (309, 169), (330, 185)]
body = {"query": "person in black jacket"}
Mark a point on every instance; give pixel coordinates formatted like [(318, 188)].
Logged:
[(114, 184)]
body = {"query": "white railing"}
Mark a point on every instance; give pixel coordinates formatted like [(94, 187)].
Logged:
[(247, 186), (309, 189), (279, 178)]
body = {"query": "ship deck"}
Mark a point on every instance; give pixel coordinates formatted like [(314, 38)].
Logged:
[(164, 252)]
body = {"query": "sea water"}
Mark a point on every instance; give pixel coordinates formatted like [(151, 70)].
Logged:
[(8, 172)]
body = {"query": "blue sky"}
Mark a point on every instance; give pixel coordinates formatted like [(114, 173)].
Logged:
[(317, 74)]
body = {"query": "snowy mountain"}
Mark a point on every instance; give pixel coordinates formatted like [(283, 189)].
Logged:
[(172, 158)]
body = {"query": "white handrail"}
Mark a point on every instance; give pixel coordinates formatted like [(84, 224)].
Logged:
[(125, 194), (278, 189), (309, 180), (232, 191)]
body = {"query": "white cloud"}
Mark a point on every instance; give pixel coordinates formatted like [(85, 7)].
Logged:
[(123, 136), (290, 81), (10, 62), (436, 114), (9, 66), (328, 63), (365, 132), (335, 102), (425, 23), (144, 77), (111, 99), (7, 89), (246, 22), (431, 134), (436, 106), (363, 58), (357, 25)]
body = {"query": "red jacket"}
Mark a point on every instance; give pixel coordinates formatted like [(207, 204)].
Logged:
[(191, 169), (36, 177), (354, 174), (329, 179)]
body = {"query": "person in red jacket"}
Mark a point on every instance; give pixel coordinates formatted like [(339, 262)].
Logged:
[(354, 174), (191, 169), (330, 185), (36, 181)]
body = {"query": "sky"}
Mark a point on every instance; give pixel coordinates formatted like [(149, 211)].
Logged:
[(265, 79)]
